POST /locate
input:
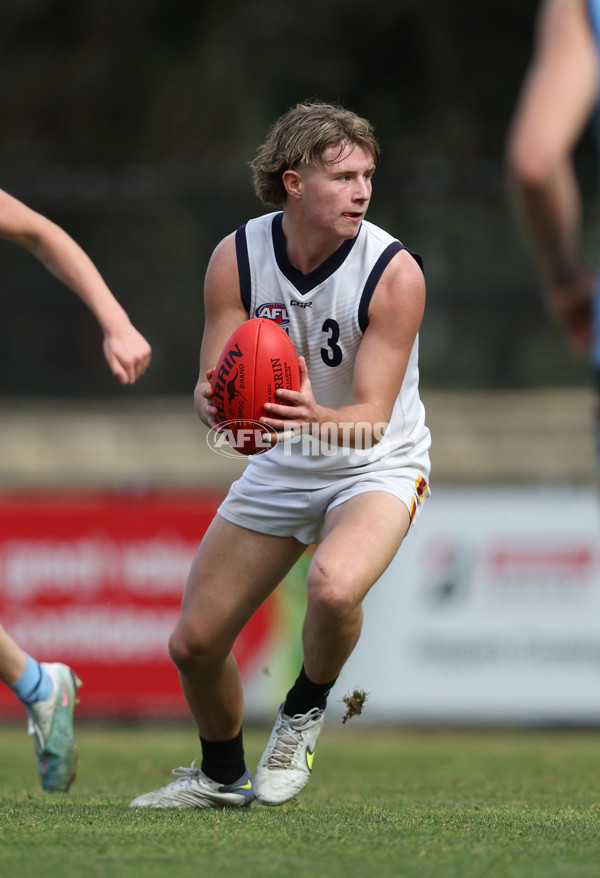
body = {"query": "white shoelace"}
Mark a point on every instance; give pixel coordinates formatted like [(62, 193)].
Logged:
[(288, 740), (187, 771), (285, 747)]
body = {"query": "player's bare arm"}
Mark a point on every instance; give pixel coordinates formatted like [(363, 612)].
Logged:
[(395, 314), (126, 351), (557, 100), (223, 313)]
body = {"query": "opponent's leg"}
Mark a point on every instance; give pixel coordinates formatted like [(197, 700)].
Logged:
[(49, 692), (13, 659)]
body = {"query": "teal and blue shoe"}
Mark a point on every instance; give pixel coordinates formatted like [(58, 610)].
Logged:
[(194, 789), (51, 725)]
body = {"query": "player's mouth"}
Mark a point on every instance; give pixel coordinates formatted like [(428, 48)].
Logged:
[(354, 216)]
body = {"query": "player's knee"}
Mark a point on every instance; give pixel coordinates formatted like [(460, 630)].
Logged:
[(330, 597), (190, 649), (179, 650)]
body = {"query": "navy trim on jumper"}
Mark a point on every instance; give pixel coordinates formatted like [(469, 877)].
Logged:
[(418, 259), (243, 261), (374, 277), (305, 283)]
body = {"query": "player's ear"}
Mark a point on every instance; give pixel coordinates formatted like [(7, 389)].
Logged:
[(292, 181)]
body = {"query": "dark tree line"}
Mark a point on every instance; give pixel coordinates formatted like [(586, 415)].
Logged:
[(191, 82), (132, 122)]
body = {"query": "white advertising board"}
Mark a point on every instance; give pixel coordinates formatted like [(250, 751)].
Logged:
[(490, 613)]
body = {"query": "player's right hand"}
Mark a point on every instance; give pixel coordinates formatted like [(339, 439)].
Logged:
[(571, 306)]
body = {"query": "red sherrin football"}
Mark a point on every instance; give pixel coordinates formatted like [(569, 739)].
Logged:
[(257, 360)]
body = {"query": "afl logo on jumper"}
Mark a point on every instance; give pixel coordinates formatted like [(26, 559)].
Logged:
[(276, 311)]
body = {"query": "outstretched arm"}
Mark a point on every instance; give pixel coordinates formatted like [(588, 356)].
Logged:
[(557, 101), (126, 351)]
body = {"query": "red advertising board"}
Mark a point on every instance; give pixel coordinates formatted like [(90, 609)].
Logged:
[(95, 581)]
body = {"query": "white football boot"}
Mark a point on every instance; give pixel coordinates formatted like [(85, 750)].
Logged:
[(285, 766), (194, 789)]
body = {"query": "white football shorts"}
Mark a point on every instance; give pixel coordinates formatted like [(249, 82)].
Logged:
[(292, 512)]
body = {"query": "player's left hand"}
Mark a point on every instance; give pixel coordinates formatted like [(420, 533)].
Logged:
[(297, 407)]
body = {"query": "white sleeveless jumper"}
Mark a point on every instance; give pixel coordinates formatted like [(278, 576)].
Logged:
[(325, 314)]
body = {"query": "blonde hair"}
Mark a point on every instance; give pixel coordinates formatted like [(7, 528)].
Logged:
[(300, 137)]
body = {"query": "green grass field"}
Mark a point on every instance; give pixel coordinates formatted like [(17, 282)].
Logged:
[(382, 802)]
